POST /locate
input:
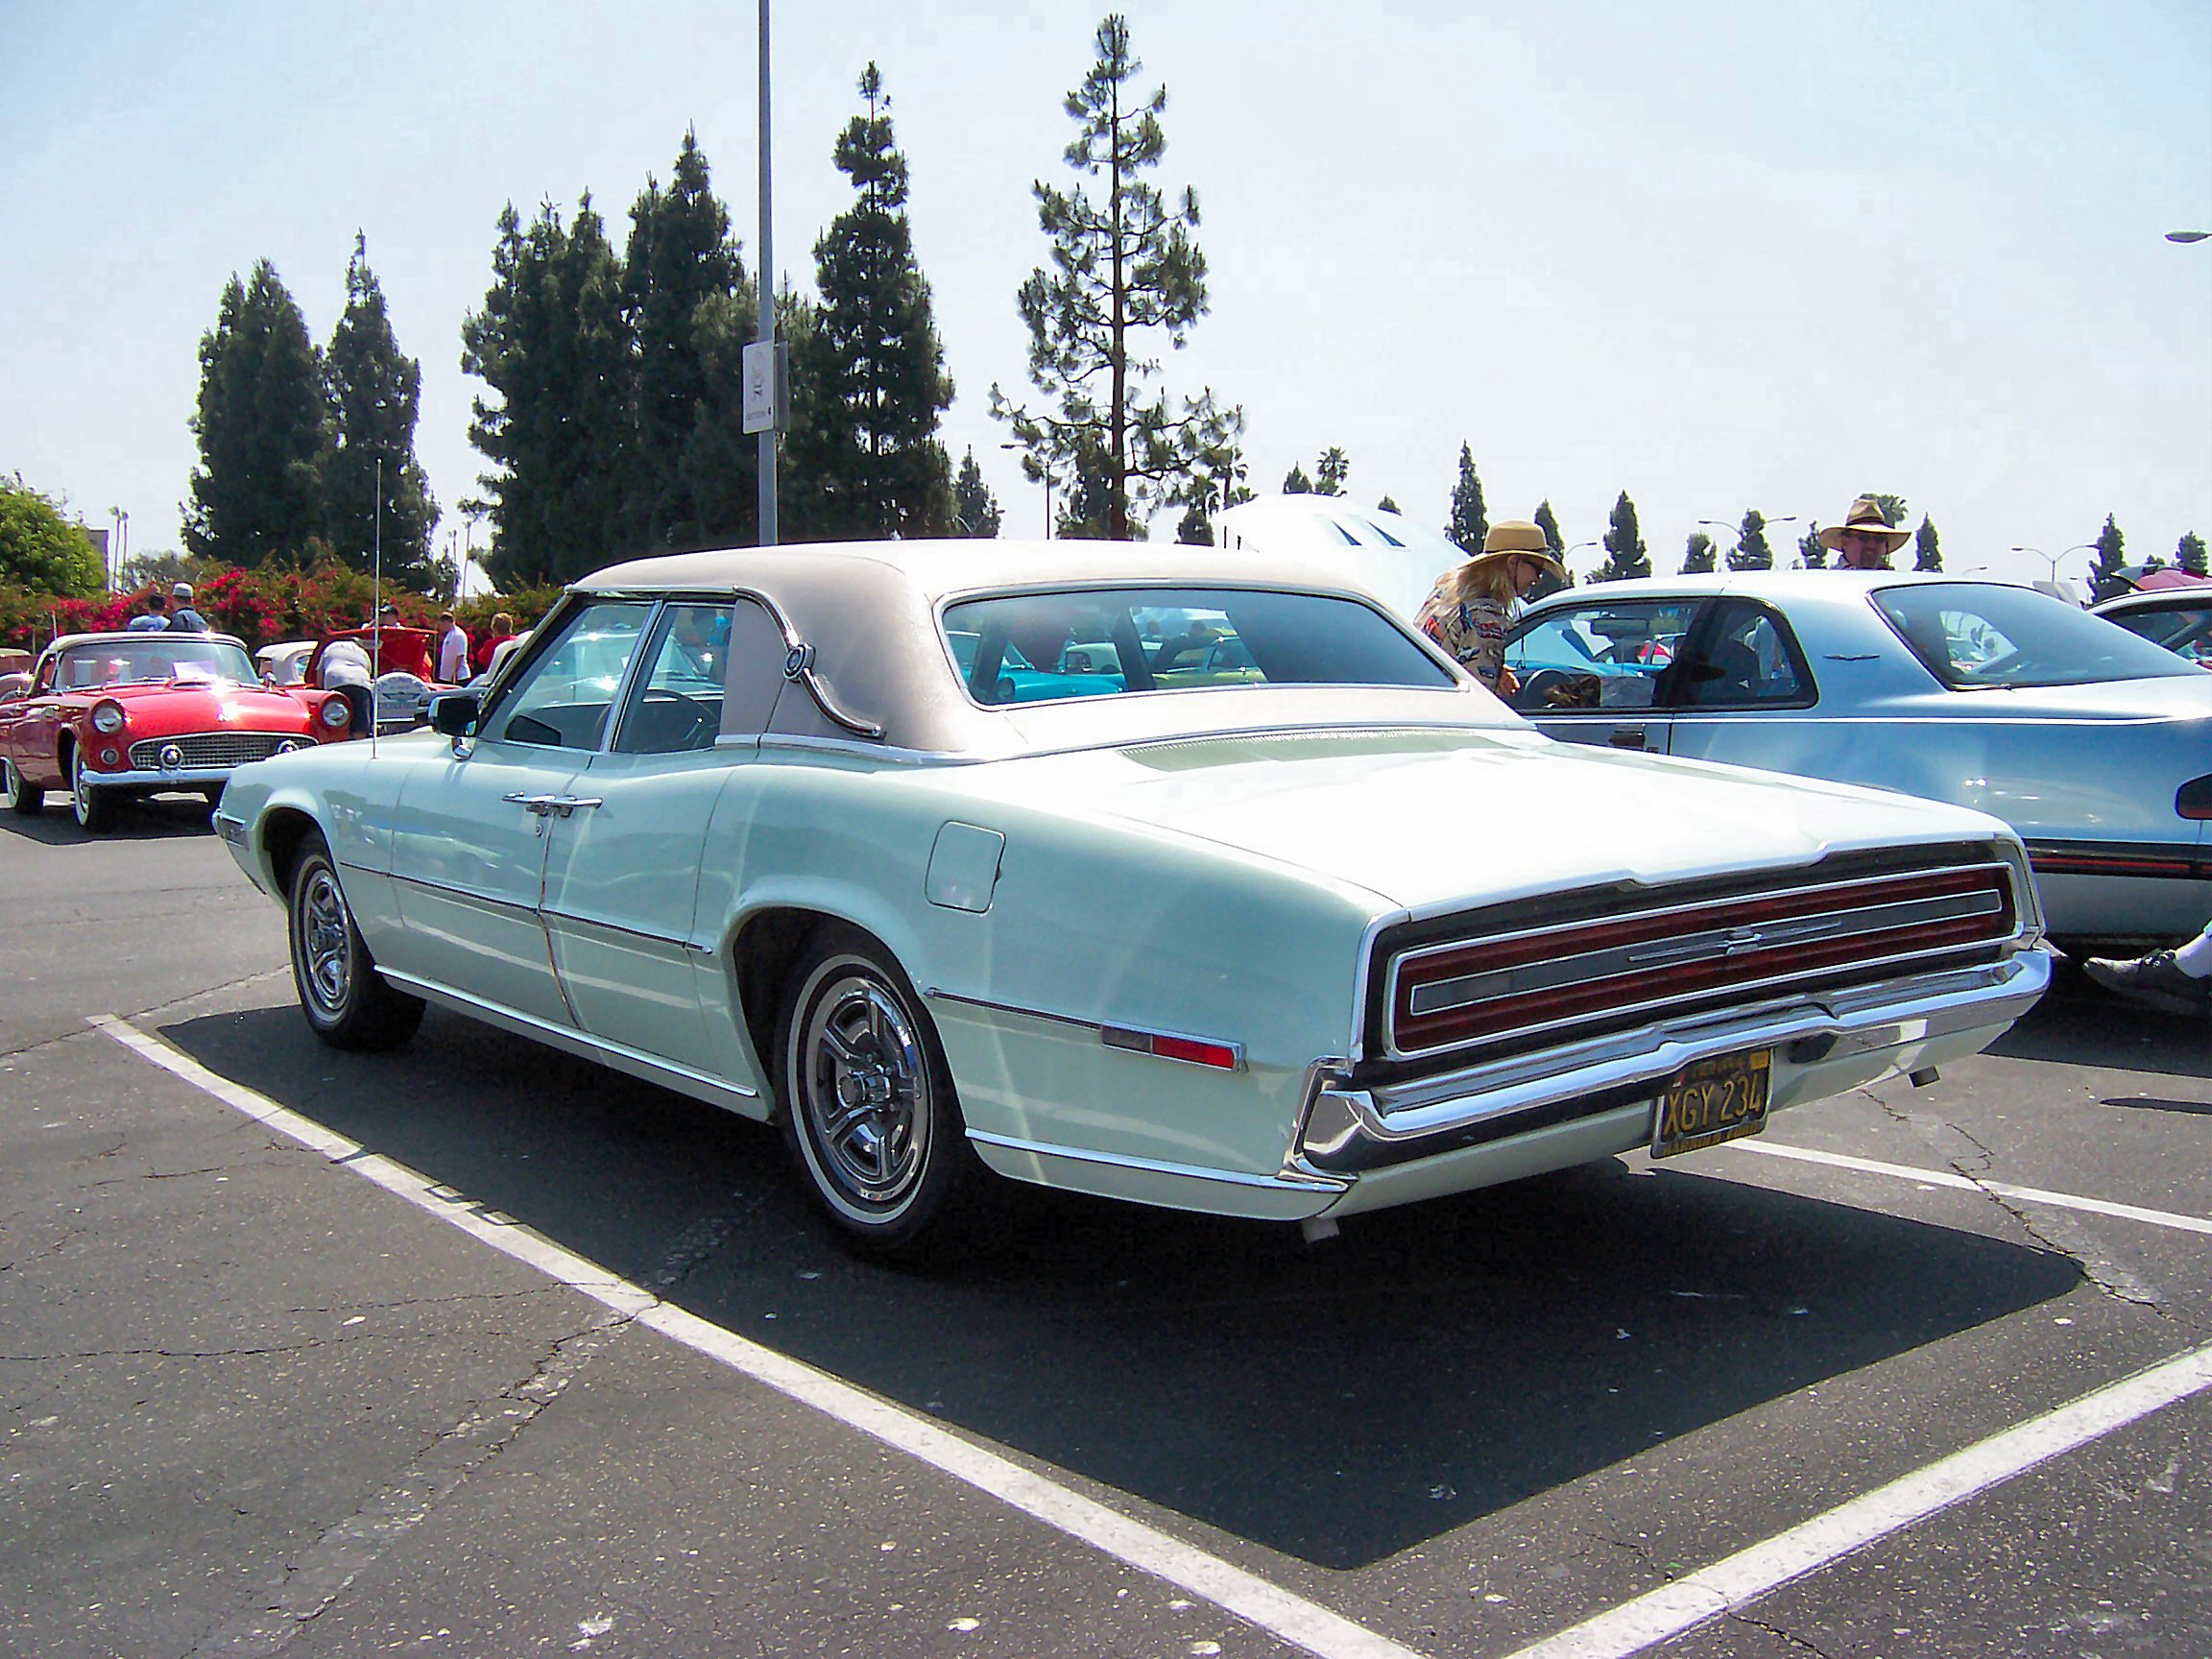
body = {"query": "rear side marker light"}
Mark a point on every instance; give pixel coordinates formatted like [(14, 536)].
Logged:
[(1221, 1056), (2194, 799)]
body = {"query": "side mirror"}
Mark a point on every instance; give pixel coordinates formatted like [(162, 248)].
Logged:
[(453, 713)]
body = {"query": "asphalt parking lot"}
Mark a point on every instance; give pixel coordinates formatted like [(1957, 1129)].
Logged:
[(475, 1349)]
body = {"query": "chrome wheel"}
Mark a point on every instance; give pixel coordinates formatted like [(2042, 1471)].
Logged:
[(326, 965), (868, 1101), (865, 1089), (347, 1003)]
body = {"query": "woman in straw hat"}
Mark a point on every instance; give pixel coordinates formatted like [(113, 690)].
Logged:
[(1472, 605), (1864, 540)]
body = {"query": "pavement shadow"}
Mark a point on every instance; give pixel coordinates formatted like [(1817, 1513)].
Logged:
[(1338, 1403), (2079, 1022), (145, 818)]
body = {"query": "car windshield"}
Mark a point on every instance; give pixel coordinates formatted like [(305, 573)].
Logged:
[(1985, 636), (1103, 642), (2185, 629), (151, 660)]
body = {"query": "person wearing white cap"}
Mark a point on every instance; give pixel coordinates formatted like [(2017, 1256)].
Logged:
[(182, 617), (1472, 607), (1865, 539)]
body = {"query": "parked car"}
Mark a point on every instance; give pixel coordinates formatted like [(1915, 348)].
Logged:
[(285, 662), (2179, 618), (110, 716), (399, 663), (1351, 935), (2094, 745)]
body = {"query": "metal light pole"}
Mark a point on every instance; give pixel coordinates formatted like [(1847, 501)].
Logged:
[(1567, 559), (2051, 559), (767, 331), (1736, 531)]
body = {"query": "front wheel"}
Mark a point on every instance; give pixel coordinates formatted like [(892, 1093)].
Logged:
[(94, 807), (24, 799), (868, 1100), (347, 1003)]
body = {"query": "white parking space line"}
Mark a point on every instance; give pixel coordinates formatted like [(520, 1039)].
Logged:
[(1745, 1577), (2004, 1189), (1281, 1612)]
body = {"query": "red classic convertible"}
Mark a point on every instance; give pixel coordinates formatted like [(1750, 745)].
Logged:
[(113, 715)]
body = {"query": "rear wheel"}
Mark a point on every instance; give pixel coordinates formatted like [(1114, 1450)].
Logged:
[(94, 807), (22, 799), (868, 1100), (347, 1003)]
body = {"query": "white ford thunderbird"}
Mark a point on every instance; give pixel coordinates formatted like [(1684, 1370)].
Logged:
[(807, 832)]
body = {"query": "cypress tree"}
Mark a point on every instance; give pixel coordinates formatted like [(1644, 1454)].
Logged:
[(1468, 526), (975, 509), (1295, 482), (375, 395), (550, 342), (2104, 578), (1812, 552), (1751, 552), (1699, 554), (870, 462), (2189, 553), (1625, 545), (261, 428), (1929, 551), (690, 312)]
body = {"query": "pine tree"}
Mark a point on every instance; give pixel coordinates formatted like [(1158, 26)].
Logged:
[(2104, 578), (1930, 552), (1386, 505), (877, 468), (2189, 553), (1123, 267), (1468, 526), (1295, 482), (688, 311), (375, 395), (1812, 551), (550, 342), (1751, 552), (975, 509), (1547, 521), (1699, 554), (1625, 547), (261, 428)]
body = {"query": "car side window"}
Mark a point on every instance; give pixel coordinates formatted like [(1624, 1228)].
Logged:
[(1748, 660), (1606, 654), (677, 704), (564, 695)]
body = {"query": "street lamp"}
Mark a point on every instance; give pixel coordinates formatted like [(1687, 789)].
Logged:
[(1045, 470), (1567, 559), (2051, 559)]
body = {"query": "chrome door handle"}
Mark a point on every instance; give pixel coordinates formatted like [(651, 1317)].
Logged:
[(1627, 737), (537, 804), (565, 805)]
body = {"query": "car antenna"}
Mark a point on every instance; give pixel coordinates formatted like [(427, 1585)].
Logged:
[(376, 607)]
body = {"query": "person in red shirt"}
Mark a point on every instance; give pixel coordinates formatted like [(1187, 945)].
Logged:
[(501, 631)]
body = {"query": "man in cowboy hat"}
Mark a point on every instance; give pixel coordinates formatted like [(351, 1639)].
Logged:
[(1472, 605), (1864, 540)]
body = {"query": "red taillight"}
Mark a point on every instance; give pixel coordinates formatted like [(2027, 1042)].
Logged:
[(1222, 1056)]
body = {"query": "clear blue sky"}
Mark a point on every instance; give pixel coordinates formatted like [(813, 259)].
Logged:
[(1718, 254)]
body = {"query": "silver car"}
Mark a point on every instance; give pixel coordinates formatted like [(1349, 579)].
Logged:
[(2179, 618), (2094, 744)]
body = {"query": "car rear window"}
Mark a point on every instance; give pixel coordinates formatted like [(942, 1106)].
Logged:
[(1089, 642), (1984, 635)]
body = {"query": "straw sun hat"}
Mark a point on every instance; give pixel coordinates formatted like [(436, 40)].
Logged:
[(1866, 517), (1519, 538)]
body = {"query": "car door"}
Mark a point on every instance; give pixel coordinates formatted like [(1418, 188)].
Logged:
[(1744, 691), (473, 826), (1600, 669), (622, 876)]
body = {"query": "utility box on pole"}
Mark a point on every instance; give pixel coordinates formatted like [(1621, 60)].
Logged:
[(768, 385)]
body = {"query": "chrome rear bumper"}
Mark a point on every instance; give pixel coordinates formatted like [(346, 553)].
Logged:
[(1817, 1042)]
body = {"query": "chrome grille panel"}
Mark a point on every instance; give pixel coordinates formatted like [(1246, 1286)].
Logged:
[(203, 749)]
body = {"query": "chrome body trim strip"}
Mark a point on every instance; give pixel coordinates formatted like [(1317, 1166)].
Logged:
[(1107, 1033), (938, 993), (563, 1036), (1288, 1180), (184, 776)]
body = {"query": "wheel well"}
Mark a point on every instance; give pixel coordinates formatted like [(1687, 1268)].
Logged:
[(765, 955), (281, 837)]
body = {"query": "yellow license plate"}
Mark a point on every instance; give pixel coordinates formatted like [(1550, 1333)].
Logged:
[(1712, 1101)]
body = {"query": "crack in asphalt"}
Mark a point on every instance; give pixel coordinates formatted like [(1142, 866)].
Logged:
[(2102, 1277), (1788, 1637)]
